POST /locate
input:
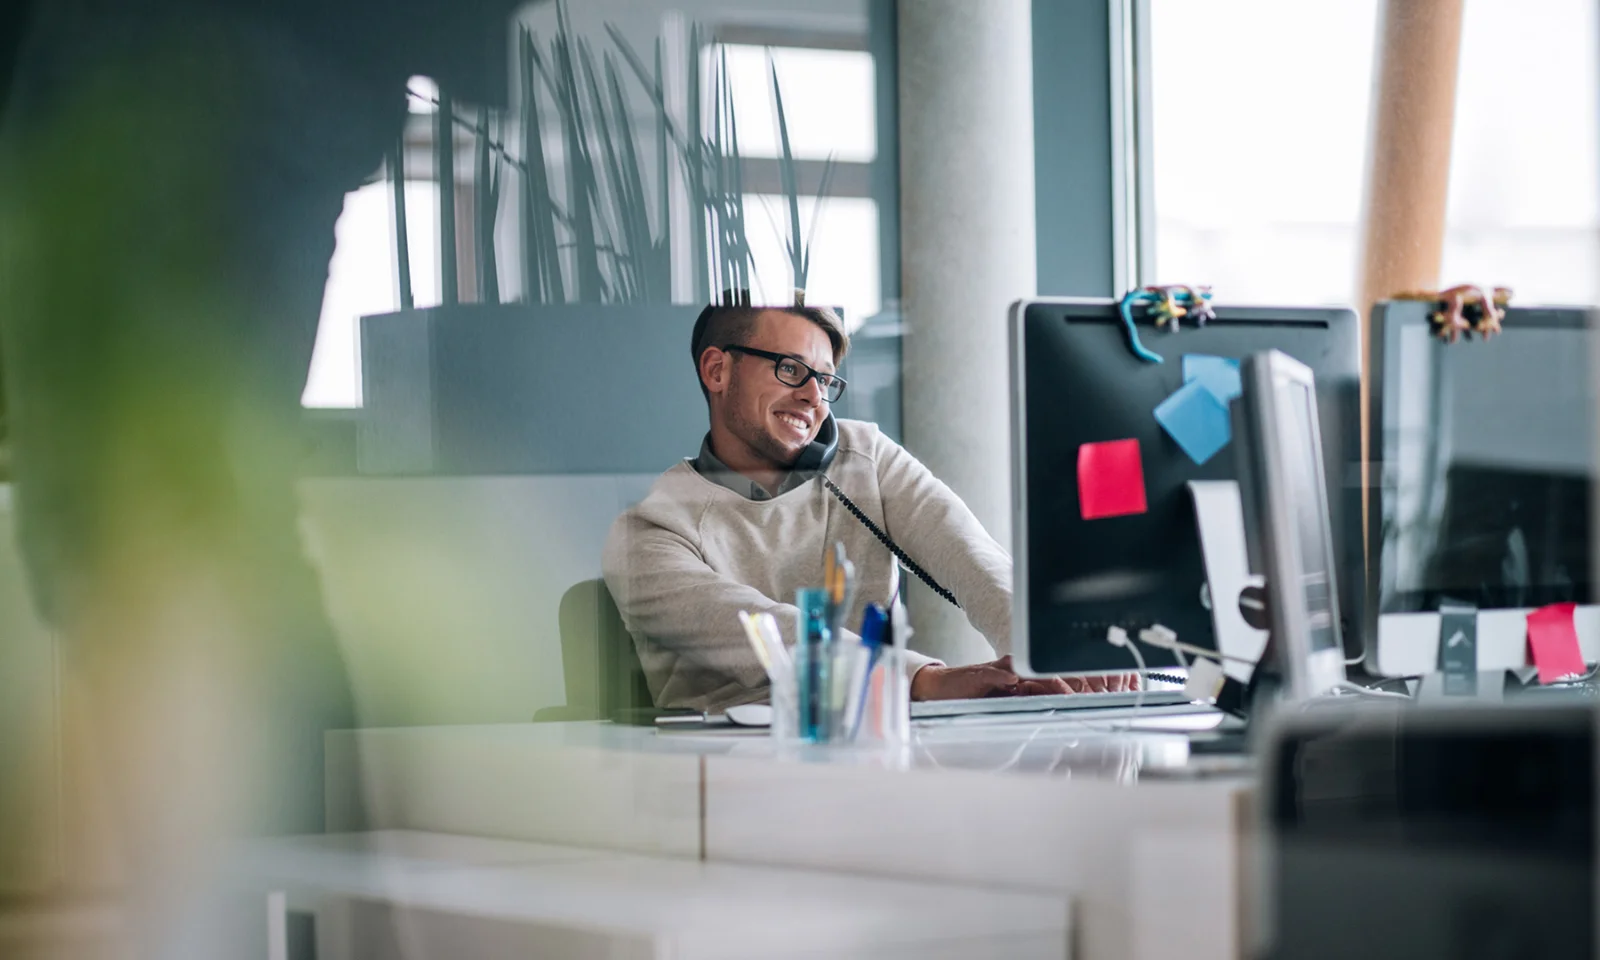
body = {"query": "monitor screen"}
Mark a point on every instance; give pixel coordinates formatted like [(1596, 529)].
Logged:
[(1080, 385), (1488, 453)]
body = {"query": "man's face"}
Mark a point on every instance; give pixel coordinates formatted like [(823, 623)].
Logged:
[(773, 420)]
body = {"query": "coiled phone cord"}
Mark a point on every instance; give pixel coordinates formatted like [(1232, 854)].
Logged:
[(916, 568), (894, 548)]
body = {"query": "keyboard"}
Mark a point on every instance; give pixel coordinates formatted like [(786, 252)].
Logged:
[(1073, 702)]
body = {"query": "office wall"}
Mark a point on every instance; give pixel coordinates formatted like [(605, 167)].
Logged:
[(1072, 147), (445, 590)]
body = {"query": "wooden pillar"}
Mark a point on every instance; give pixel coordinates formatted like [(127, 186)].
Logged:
[(1408, 169)]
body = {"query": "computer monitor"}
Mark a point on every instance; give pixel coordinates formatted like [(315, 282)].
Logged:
[(1075, 383), (1285, 492), (1484, 480)]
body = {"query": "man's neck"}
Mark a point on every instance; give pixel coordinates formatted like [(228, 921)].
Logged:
[(739, 458)]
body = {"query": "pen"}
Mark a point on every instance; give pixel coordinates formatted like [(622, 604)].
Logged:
[(872, 623), (815, 673), (782, 663), (752, 634)]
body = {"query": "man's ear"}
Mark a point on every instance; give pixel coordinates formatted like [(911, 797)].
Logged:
[(716, 369)]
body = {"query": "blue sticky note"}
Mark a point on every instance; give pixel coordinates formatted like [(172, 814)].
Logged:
[(1197, 420), (1219, 374)]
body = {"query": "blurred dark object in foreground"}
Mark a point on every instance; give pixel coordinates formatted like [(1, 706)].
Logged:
[(1432, 833), (170, 175)]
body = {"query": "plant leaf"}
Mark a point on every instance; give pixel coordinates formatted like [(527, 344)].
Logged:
[(816, 212), (580, 164), (540, 208), (791, 188)]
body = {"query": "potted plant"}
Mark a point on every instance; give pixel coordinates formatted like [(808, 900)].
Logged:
[(588, 371)]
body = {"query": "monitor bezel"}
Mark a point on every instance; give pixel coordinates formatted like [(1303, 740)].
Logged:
[(1273, 383), (1105, 311), (1406, 644)]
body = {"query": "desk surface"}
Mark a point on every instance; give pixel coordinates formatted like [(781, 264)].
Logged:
[(1153, 747)]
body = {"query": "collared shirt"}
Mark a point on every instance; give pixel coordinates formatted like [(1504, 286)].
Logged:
[(709, 466)]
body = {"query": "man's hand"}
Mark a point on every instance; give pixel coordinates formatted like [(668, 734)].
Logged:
[(1104, 683), (997, 679), (935, 682)]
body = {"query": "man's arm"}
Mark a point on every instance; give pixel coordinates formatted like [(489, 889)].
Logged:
[(937, 530), (668, 594)]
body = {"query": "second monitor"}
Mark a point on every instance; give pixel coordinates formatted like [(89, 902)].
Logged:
[(1103, 523)]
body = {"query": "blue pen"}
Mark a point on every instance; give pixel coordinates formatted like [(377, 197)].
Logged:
[(874, 620), (813, 668)]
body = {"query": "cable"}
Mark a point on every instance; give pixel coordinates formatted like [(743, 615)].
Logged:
[(1580, 678), (1345, 686), (1016, 755), (936, 587), (1378, 685), (1345, 691), (894, 548), (1118, 637), (1163, 638)]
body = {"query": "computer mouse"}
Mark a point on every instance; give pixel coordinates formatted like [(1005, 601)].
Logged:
[(750, 715)]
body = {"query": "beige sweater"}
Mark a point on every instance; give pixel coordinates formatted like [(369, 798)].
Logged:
[(688, 557)]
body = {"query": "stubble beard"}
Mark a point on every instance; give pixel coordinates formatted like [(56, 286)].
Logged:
[(758, 437)]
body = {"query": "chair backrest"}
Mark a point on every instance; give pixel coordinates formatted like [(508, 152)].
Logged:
[(598, 661)]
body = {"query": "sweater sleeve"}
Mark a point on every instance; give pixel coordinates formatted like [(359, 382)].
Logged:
[(937, 530), (668, 594)]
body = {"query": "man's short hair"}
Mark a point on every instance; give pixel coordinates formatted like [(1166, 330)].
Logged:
[(722, 325)]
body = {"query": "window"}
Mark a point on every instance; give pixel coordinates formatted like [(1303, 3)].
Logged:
[(1260, 122), (362, 281), (828, 103), (827, 100), (829, 82)]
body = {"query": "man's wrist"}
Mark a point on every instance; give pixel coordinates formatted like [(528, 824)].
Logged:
[(922, 681)]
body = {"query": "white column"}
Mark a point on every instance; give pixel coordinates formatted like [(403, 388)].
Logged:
[(968, 250)]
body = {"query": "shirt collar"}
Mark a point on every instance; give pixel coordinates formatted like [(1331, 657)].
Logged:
[(708, 465)]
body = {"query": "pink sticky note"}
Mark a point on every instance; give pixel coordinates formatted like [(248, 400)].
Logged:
[(1553, 642), (1110, 479)]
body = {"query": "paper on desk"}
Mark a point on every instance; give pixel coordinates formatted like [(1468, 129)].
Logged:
[(1197, 420), (1553, 642), (1110, 480), (1220, 375)]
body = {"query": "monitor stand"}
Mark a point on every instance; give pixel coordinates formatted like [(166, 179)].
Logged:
[(1219, 522), (1245, 704), (1239, 628)]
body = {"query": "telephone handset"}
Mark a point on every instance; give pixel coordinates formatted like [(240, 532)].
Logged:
[(816, 457), (819, 453)]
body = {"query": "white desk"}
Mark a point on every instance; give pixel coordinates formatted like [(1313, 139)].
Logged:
[(399, 895), (1150, 855)]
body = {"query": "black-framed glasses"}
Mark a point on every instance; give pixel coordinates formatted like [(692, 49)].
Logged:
[(794, 373)]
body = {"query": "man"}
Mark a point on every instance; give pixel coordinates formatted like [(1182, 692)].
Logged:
[(748, 522)]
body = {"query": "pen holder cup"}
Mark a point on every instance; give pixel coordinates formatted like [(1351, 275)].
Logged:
[(864, 708), (886, 716), (785, 710)]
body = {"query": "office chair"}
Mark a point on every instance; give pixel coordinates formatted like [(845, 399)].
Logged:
[(599, 664)]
